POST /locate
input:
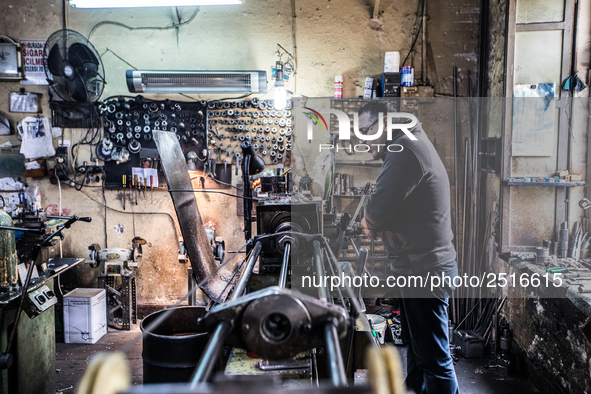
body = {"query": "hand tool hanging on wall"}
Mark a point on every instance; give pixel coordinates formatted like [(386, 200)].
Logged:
[(151, 188), (135, 187), (124, 183)]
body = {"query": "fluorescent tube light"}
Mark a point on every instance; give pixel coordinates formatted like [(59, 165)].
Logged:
[(147, 3)]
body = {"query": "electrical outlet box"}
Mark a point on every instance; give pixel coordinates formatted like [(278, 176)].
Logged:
[(38, 301), (61, 162)]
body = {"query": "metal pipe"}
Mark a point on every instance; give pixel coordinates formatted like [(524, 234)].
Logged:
[(355, 306), (333, 355), (423, 46), (189, 217), (247, 201), (285, 266), (247, 271), (210, 354), (354, 247), (466, 153), (216, 341), (340, 242), (192, 300), (319, 268), (361, 261), (362, 202), (456, 202), (25, 230)]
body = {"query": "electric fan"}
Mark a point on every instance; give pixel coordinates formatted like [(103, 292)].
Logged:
[(73, 67)]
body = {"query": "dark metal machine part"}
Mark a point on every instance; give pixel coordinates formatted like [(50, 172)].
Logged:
[(192, 229), (278, 218), (276, 323)]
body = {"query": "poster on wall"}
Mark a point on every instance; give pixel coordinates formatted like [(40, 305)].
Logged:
[(33, 62), (533, 120)]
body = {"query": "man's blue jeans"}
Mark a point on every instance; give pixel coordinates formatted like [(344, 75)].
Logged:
[(424, 321)]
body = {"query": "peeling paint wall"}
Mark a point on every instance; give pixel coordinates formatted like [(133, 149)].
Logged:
[(547, 330), (332, 38), (497, 28)]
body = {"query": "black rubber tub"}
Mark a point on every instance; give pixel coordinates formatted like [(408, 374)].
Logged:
[(171, 351)]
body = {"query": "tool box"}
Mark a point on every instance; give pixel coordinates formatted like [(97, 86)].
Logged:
[(469, 343)]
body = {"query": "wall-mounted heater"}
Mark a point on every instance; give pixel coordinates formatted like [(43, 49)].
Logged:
[(141, 81)]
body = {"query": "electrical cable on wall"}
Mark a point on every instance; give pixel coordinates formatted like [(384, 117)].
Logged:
[(417, 35), (293, 43), (173, 26), (105, 214), (59, 186), (216, 180), (178, 232)]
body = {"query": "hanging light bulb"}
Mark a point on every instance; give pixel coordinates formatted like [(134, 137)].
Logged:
[(280, 99)]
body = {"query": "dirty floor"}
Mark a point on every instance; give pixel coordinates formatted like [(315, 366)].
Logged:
[(72, 359)]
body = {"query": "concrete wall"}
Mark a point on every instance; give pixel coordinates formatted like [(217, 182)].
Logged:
[(332, 38), (547, 330)]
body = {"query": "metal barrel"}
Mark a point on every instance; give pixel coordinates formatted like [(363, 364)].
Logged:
[(171, 351)]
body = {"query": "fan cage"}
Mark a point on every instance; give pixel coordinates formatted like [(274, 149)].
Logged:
[(65, 38), (91, 120)]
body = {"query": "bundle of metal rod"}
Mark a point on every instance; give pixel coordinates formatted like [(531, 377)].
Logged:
[(471, 241)]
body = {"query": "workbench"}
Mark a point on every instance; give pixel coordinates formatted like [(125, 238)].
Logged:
[(33, 370), (571, 283)]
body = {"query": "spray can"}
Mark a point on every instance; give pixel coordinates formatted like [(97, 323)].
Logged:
[(338, 87), (407, 76)]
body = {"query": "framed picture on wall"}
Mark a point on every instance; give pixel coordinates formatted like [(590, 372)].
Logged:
[(11, 64)]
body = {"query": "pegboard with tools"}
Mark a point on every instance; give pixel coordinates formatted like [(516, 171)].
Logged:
[(232, 122), (128, 143)]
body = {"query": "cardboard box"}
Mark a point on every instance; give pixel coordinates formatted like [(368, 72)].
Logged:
[(37, 172), (85, 315), (562, 173)]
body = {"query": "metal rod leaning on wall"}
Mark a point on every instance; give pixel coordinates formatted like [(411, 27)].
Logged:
[(456, 192), (423, 45), (216, 341), (464, 202), (285, 266)]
